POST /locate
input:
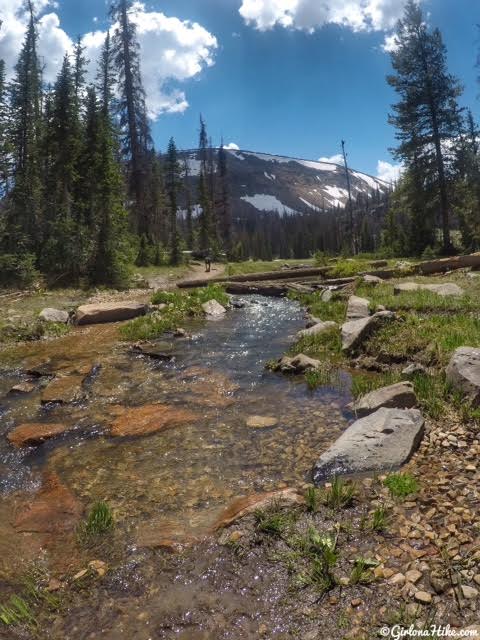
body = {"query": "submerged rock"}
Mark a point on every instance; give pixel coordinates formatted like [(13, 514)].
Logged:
[(54, 315), (64, 390), (34, 434), (213, 308), (357, 308), (155, 350), (54, 509), (444, 289), (355, 332), (23, 388), (395, 396), (261, 422), (242, 507), (382, 441), (109, 312), (317, 329), (151, 418), (463, 373)]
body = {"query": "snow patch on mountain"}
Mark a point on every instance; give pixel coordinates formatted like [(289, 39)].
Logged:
[(265, 202), (309, 204)]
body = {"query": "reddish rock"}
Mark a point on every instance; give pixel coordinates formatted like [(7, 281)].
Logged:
[(242, 507), (109, 312), (54, 509), (167, 535), (64, 390), (34, 434), (23, 387), (140, 421)]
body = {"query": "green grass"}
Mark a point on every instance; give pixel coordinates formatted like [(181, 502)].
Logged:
[(21, 609), (379, 520), (335, 310), (274, 521), (99, 521), (362, 571), (430, 339), (326, 346), (258, 266), (327, 375), (363, 383), (313, 499), (340, 495), (422, 301), (180, 306), (401, 485), (17, 611), (24, 332)]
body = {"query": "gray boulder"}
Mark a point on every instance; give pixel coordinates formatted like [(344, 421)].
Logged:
[(297, 364), (357, 308), (54, 315), (395, 396), (355, 332), (213, 309), (382, 441), (327, 295), (445, 289), (109, 312), (373, 280), (463, 373), (414, 369), (317, 329)]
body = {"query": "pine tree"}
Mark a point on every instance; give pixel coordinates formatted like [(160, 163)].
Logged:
[(188, 204), (204, 196), (224, 207), (24, 213), (5, 148), (427, 115), (136, 140), (172, 186)]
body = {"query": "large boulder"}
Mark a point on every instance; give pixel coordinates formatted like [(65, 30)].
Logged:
[(54, 315), (317, 329), (372, 280), (355, 332), (444, 289), (395, 396), (357, 308), (34, 434), (463, 373), (109, 312), (213, 309), (382, 441), (297, 364)]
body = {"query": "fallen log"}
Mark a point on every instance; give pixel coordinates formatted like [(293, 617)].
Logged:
[(294, 274), (270, 289), (448, 264)]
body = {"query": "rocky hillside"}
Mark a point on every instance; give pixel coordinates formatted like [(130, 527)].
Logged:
[(262, 182)]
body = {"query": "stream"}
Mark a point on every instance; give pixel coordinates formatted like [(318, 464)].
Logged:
[(183, 477)]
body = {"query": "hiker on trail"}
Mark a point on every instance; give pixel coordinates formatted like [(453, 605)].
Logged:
[(208, 262)]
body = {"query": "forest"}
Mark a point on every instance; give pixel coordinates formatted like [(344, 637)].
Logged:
[(85, 195)]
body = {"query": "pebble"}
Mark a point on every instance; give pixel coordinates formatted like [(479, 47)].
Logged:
[(423, 597), (413, 576), (469, 593), (398, 579), (356, 602)]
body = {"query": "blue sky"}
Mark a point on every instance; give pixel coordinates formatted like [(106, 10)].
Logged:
[(272, 87)]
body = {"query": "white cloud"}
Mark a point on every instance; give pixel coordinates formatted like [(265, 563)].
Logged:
[(390, 43), (232, 146), (389, 172), (309, 15), (173, 50), (336, 159)]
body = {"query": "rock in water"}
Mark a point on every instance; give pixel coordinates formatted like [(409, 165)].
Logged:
[(64, 390), (463, 373), (298, 364), (395, 396), (213, 308), (142, 421), (357, 308), (317, 329), (355, 331), (382, 441), (261, 422), (30, 435), (54, 315), (156, 351), (109, 312)]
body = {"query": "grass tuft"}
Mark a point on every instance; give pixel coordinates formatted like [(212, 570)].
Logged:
[(340, 495), (401, 485), (99, 521)]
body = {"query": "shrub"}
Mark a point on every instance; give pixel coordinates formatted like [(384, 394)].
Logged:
[(17, 270), (401, 485)]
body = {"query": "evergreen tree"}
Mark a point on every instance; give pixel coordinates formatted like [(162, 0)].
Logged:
[(5, 148), (224, 208), (136, 140), (206, 235), (426, 116), (188, 204), (24, 214), (172, 186)]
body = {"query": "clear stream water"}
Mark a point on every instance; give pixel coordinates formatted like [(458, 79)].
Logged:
[(184, 475)]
